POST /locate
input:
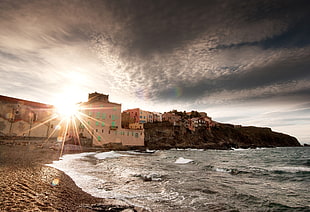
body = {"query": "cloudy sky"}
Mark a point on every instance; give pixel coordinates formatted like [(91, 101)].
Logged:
[(243, 62)]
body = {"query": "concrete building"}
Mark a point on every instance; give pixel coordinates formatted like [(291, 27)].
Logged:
[(143, 116), (157, 117), (134, 114), (196, 122), (100, 120), (149, 117), (24, 118), (140, 116)]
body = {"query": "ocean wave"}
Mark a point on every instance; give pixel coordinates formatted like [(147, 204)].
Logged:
[(187, 149), (111, 154), (224, 170), (149, 177), (290, 169), (182, 160), (281, 207), (230, 171)]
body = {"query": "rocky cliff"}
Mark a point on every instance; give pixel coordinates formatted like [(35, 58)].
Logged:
[(222, 136)]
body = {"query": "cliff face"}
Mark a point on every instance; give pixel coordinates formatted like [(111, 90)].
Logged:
[(223, 136)]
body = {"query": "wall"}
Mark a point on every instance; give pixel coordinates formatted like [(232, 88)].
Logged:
[(101, 121), (25, 118)]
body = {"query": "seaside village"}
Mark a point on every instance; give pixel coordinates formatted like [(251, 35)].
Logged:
[(97, 121)]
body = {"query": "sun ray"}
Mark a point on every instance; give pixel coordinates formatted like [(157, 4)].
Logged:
[(38, 125), (64, 138), (77, 134)]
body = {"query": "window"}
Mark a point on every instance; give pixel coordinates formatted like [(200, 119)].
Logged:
[(52, 126), (114, 108), (102, 130), (140, 117), (97, 123), (90, 113), (99, 138), (102, 124), (96, 130), (98, 115), (136, 135), (113, 124), (103, 115), (113, 117)]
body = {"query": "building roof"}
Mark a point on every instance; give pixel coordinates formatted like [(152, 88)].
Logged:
[(24, 102)]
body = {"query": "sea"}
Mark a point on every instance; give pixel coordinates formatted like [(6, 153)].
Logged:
[(271, 179)]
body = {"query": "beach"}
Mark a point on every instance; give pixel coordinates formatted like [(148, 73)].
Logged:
[(27, 184)]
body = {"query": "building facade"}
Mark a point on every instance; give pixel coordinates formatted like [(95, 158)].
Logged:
[(134, 115), (24, 118), (157, 117), (171, 117), (100, 120)]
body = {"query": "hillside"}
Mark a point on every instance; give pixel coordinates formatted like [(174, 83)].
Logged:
[(222, 136)]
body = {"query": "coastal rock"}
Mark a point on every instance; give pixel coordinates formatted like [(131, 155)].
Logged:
[(165, 135)]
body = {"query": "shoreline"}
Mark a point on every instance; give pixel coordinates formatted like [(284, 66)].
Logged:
[(28, 184)]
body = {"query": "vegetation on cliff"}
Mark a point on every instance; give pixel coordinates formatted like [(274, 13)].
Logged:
[(165, 135)]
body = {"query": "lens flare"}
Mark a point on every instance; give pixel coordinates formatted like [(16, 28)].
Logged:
[(178, 91), (55, 182)]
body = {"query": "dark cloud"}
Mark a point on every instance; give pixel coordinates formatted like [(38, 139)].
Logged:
[(193, 53), (283, 72), (161, 26)]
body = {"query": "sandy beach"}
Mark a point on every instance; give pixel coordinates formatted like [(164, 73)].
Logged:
[(27, 184)]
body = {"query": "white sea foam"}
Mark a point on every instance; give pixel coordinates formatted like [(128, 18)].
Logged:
[(182, 160), (71, 165), (111, 154), (292, 169), (84, 173), (150, 151), (187, 149), (239, 149), (222, 170), (193, 149)]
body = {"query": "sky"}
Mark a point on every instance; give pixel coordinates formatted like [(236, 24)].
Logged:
[(242, 62)]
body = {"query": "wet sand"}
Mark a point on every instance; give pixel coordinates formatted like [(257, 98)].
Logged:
[(27, 184)]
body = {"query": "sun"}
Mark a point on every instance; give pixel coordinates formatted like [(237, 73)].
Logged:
[(66, 104), (66, 109)]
